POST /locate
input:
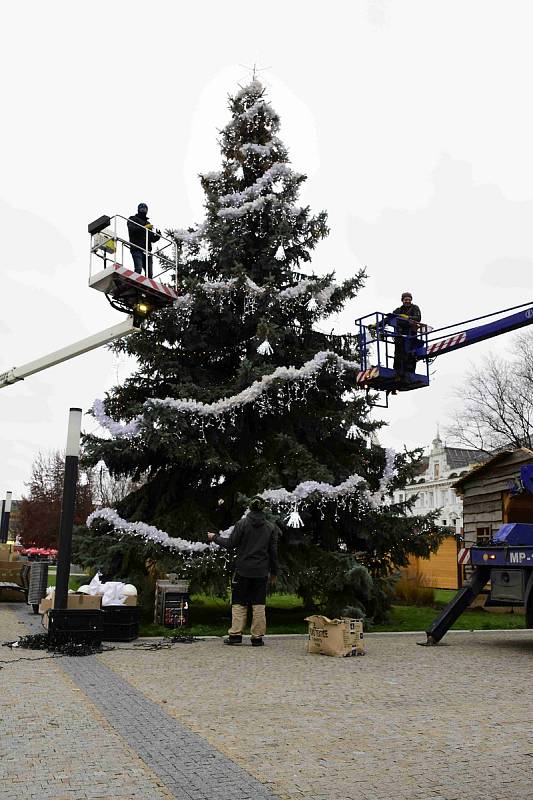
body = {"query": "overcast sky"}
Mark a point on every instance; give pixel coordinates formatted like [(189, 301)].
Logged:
[(412, 120)]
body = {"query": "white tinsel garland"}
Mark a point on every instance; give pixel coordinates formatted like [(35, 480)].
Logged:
[(251, 394), (214, 288), (216, 291), (256, 393), (116, 428), (147, 532), (189, 236), (276, 171), (354, 484), (344, 495), (253, 111), (389, 471), (260, 149)]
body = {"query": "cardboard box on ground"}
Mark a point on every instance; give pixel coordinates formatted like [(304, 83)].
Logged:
[(81, 601), (335, 637)]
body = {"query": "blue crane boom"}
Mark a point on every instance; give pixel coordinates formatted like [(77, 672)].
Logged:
[(473, 335)]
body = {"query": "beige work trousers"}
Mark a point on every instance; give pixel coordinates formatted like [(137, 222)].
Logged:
[(239, 617)]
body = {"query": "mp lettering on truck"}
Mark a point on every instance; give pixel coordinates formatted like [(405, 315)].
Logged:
[(516, 558)]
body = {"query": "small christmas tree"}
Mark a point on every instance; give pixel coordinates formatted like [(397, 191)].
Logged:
[(238, 393)]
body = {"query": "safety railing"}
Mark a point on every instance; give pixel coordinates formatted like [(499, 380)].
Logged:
[(111, 246), (378, 334)]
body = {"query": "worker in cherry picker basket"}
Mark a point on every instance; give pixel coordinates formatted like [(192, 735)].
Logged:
[(407, 316), (142, 236)]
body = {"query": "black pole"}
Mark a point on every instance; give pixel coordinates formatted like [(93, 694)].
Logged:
[(2, 520), (67, 508), (6, 513)]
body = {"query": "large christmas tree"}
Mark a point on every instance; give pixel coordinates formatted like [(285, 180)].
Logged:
[(238, 392)]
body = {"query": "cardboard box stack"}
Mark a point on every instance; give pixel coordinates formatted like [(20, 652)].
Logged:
[(335, 637)]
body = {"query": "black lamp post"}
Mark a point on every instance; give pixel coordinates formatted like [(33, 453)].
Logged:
[(67, 508), (6, 512)]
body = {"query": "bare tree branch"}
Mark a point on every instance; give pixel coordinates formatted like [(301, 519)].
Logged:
[(496, 402)]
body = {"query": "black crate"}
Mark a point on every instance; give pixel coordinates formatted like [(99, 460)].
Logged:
[(120, 614), (121, 633), (121, 623), (75, 625)]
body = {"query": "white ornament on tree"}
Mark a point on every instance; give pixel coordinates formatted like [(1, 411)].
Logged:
[(312, 304), (265, 349), (280, 253), (351, 433), (294, 520)]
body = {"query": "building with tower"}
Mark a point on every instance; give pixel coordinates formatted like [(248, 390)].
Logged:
[(438, 471)]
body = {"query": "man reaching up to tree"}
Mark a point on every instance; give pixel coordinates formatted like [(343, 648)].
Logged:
[(255, 541)]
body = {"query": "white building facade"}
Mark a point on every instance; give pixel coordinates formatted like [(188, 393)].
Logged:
[(439, 470)]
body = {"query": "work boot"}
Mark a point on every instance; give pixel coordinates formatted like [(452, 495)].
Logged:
[(258, 642), (233, 639)]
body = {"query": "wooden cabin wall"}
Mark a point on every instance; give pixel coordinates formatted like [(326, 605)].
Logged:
[(440, 569), (483, 498)]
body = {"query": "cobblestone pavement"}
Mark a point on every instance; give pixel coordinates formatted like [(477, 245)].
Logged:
[(402, 722), (54, 744), (174, 759)]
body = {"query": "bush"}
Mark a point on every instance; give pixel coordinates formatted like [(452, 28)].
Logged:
[(414, 590)]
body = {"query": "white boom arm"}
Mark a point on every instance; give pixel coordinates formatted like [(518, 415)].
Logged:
[(71, 351)]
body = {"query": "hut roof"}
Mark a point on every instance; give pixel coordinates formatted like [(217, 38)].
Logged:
[(498, 458)]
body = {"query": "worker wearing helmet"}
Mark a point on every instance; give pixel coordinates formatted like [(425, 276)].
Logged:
[(142, 236), (255, 541), (407, 316)]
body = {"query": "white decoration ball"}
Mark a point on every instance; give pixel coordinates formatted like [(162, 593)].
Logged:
[(129, 590)]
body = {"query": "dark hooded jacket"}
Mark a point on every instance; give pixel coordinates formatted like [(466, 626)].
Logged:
[(411, 311), (138, 235), (255, 540)]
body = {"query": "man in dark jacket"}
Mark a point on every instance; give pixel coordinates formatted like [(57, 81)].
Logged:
[(255, 541), (141, 234), (407, 316)]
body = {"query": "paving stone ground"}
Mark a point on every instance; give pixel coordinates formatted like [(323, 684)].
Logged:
[(402, 722)]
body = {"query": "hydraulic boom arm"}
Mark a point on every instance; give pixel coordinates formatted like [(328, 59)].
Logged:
[(71, 351), (474, 335)]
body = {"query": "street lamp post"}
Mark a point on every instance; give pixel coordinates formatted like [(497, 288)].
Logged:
[(6, 512), (67, 508)]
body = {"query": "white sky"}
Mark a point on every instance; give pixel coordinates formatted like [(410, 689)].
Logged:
[(412, 120)]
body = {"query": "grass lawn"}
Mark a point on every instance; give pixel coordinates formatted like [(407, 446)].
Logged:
[(75, 581), (285, 614)]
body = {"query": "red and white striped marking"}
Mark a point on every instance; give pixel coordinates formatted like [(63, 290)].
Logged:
[(463, 556), (366, 374), (147, 283), (444, 344)]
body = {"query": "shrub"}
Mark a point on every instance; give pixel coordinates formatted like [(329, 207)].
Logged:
[(414, 590)]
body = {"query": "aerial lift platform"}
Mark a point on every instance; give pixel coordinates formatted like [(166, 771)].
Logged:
[(378, 335), (111, 270), (126, 290)]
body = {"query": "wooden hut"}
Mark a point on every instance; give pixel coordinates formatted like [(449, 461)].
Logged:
[(488, 497), (440, 570)]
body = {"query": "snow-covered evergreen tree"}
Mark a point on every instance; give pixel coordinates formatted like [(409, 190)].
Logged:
[(238, 392)]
